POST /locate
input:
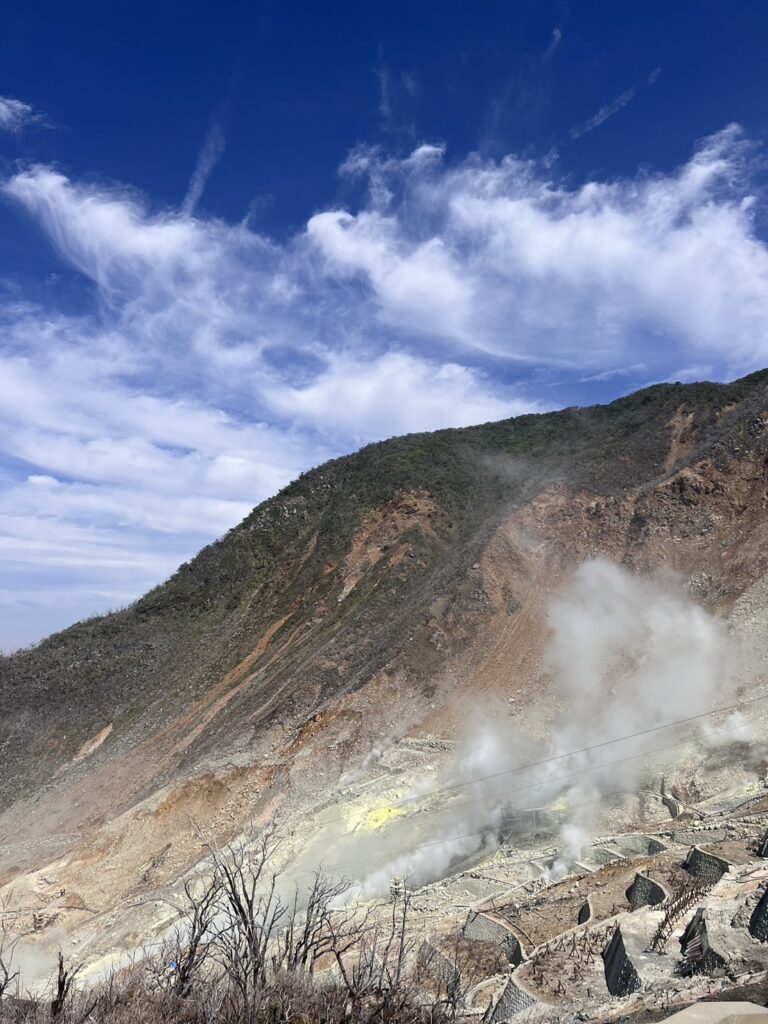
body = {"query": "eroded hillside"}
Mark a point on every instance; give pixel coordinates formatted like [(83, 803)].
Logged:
[(367, 602)]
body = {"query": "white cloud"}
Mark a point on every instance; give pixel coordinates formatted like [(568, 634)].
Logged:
[(56, 571), (105, 234), (418, 284), (498, 257), (395, 393), (211, 364), (15, 115)]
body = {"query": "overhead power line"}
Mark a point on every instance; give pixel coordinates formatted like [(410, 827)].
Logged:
[(560, 778), (585, 750), (453, 787), (465, 835)]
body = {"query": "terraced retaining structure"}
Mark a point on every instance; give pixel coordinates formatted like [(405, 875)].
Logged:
[(706, 866), (597, 857), (437, 963), (513, 1000), (758, 923), (636, 844), (645, 892), (698, 955), (694, 836), (482, 926), (621, 977), (585, 912)]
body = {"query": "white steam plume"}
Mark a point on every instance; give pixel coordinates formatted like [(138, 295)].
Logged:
[(627, 655)]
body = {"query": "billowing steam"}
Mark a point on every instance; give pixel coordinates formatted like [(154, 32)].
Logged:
[(627, 656)]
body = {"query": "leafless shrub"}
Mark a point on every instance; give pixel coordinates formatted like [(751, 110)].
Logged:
[(309, 933), (65, 979), (182, 955), (372, 962), (249, 911), (7, 948), (238, 954), (457, 980)]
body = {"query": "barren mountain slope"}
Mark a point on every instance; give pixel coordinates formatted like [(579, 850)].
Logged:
[(357, 604)]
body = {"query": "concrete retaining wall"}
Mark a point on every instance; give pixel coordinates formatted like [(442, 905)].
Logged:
[(674, 806), (637, 845), (479, 887), (585, 913), (437, 963), (690, 837), (706, 866), (621, 977), (698, 955), (758, 923), (599, 856), (484, 927), (644, 892), (513, 1000)]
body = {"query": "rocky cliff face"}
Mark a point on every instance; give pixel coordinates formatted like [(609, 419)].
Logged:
[(359, 602)]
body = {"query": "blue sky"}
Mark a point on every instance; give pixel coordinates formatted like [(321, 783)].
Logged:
[(239, 239)]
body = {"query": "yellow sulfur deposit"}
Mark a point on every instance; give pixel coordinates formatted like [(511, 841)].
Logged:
[(381, 815)]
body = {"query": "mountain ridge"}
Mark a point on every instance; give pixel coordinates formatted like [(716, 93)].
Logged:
[(389, 579)]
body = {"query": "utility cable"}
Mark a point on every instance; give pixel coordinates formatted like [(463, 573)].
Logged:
[(469, 835), (571, 753), (465, 835)]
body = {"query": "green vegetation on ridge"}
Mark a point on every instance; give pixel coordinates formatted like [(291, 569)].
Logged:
[(138, 667)]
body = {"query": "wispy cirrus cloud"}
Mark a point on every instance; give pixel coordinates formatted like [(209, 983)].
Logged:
[(604, 113), (617, 371), (554, 42), (210, 364), (15, 115), (613, 107), (210, 154), (384, 83)]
